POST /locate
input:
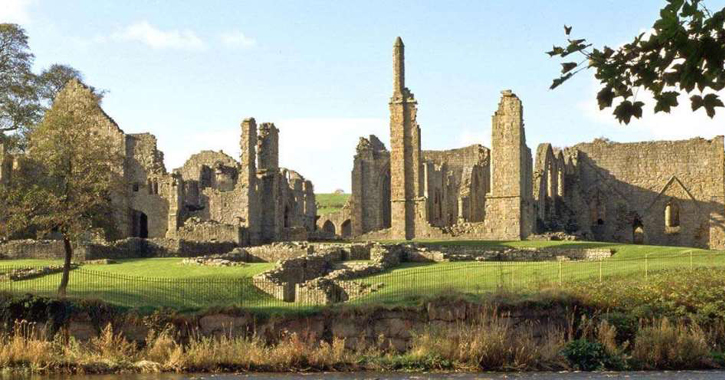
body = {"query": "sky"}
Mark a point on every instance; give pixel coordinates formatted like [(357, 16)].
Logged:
[(190, 71)]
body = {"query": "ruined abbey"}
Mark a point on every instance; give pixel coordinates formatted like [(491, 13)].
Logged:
[(660, 193), (212, 197)]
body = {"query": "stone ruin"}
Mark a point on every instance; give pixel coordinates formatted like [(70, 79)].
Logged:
[(659, 193), (213, 197), (662, 193)]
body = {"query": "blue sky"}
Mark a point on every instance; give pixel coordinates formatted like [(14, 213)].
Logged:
[(189, 72)]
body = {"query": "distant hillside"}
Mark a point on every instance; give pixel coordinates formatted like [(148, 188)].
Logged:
[(329, 203)]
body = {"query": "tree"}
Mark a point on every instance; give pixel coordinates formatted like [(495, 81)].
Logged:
[(684, 50), (19, 105), (72, 171)]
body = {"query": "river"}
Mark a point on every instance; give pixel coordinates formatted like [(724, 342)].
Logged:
[(693, 375)]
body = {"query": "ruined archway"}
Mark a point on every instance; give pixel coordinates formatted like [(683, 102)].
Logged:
[(637, 231), (346, 229), (140, 225), (329, 227)]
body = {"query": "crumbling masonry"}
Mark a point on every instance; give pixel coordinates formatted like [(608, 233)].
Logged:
[(662, 193), (212, 197)]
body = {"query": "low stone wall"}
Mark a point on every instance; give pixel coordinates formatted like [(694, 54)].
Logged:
[(158, 247), (32, 249), (281, 281), (470, 253), (210, 231)]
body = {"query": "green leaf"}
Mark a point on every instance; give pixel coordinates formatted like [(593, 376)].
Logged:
[(605, 97), (558, 81), (710, 102), (568, 66), (624, 111), (665, 101), (556, 50), (696, 101)]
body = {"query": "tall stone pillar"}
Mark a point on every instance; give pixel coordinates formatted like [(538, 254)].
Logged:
[(248, 180), (268, 147), (509, 206), (406, 181)]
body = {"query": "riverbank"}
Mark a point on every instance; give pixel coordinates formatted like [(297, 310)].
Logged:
[(674, 321)]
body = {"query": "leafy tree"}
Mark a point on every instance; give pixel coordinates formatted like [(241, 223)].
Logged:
[(684, 50), (71, 172), (19, 106)]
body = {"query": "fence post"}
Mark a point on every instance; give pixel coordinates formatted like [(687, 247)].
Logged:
[(646, 267), (560, 274), (600, 270)]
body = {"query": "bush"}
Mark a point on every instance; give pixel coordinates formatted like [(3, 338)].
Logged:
[(585, 355)]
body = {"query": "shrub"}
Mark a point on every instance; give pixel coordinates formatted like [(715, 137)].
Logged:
[(585, 355), (665, 345)]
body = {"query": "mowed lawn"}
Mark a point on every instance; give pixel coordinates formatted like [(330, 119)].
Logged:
[(165, 282), (409, 282), (329, 203), (152, 282)]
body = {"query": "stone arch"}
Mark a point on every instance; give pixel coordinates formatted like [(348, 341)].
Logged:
[(329, 227), (597, 209), (346, 228), (672, 214), (384, 186), (638, 234), (140, 224)]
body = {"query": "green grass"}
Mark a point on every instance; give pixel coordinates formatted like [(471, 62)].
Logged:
[(410, 282), (329, 203), (166, 282), (151, 283)]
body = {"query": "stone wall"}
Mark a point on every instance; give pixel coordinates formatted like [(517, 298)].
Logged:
[(430, 193), (659, 193), (31, 249)]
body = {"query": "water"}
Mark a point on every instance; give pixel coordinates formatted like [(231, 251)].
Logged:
[(689, 375)]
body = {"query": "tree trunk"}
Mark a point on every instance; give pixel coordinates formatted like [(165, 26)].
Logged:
[(66, 267)]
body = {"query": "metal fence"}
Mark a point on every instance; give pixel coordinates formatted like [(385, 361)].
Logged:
[(407, 282)]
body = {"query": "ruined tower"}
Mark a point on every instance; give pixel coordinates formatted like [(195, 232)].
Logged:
[(406, 182), (248, 179), (509, 206)]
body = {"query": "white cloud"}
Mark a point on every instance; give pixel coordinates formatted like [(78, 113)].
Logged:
[(320, 149), (237, 39), (680, 123), (156, 38), (15, 11)]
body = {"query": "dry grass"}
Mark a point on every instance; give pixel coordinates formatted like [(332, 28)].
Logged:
[(667, 345), (492, 344)]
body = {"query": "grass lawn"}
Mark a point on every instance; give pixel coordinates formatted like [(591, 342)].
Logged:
[(151, 283), (165, 282), (329, 203), (409, 282)]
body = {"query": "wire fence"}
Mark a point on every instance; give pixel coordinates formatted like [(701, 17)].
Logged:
[(404, 282)]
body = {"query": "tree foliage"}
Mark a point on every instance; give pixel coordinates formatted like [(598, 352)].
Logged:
[(69, 174), (684, 51), (19, 105), (24, 96)]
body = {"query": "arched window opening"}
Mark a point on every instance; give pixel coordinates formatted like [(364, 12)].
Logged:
[(560, 183), (672, 214), (597, 210), (328, 227), (637, 231), (346, 228), (156, 187), (150, 186), (550, 182)]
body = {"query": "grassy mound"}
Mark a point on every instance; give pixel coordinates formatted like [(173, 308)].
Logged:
[(329, 203)]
